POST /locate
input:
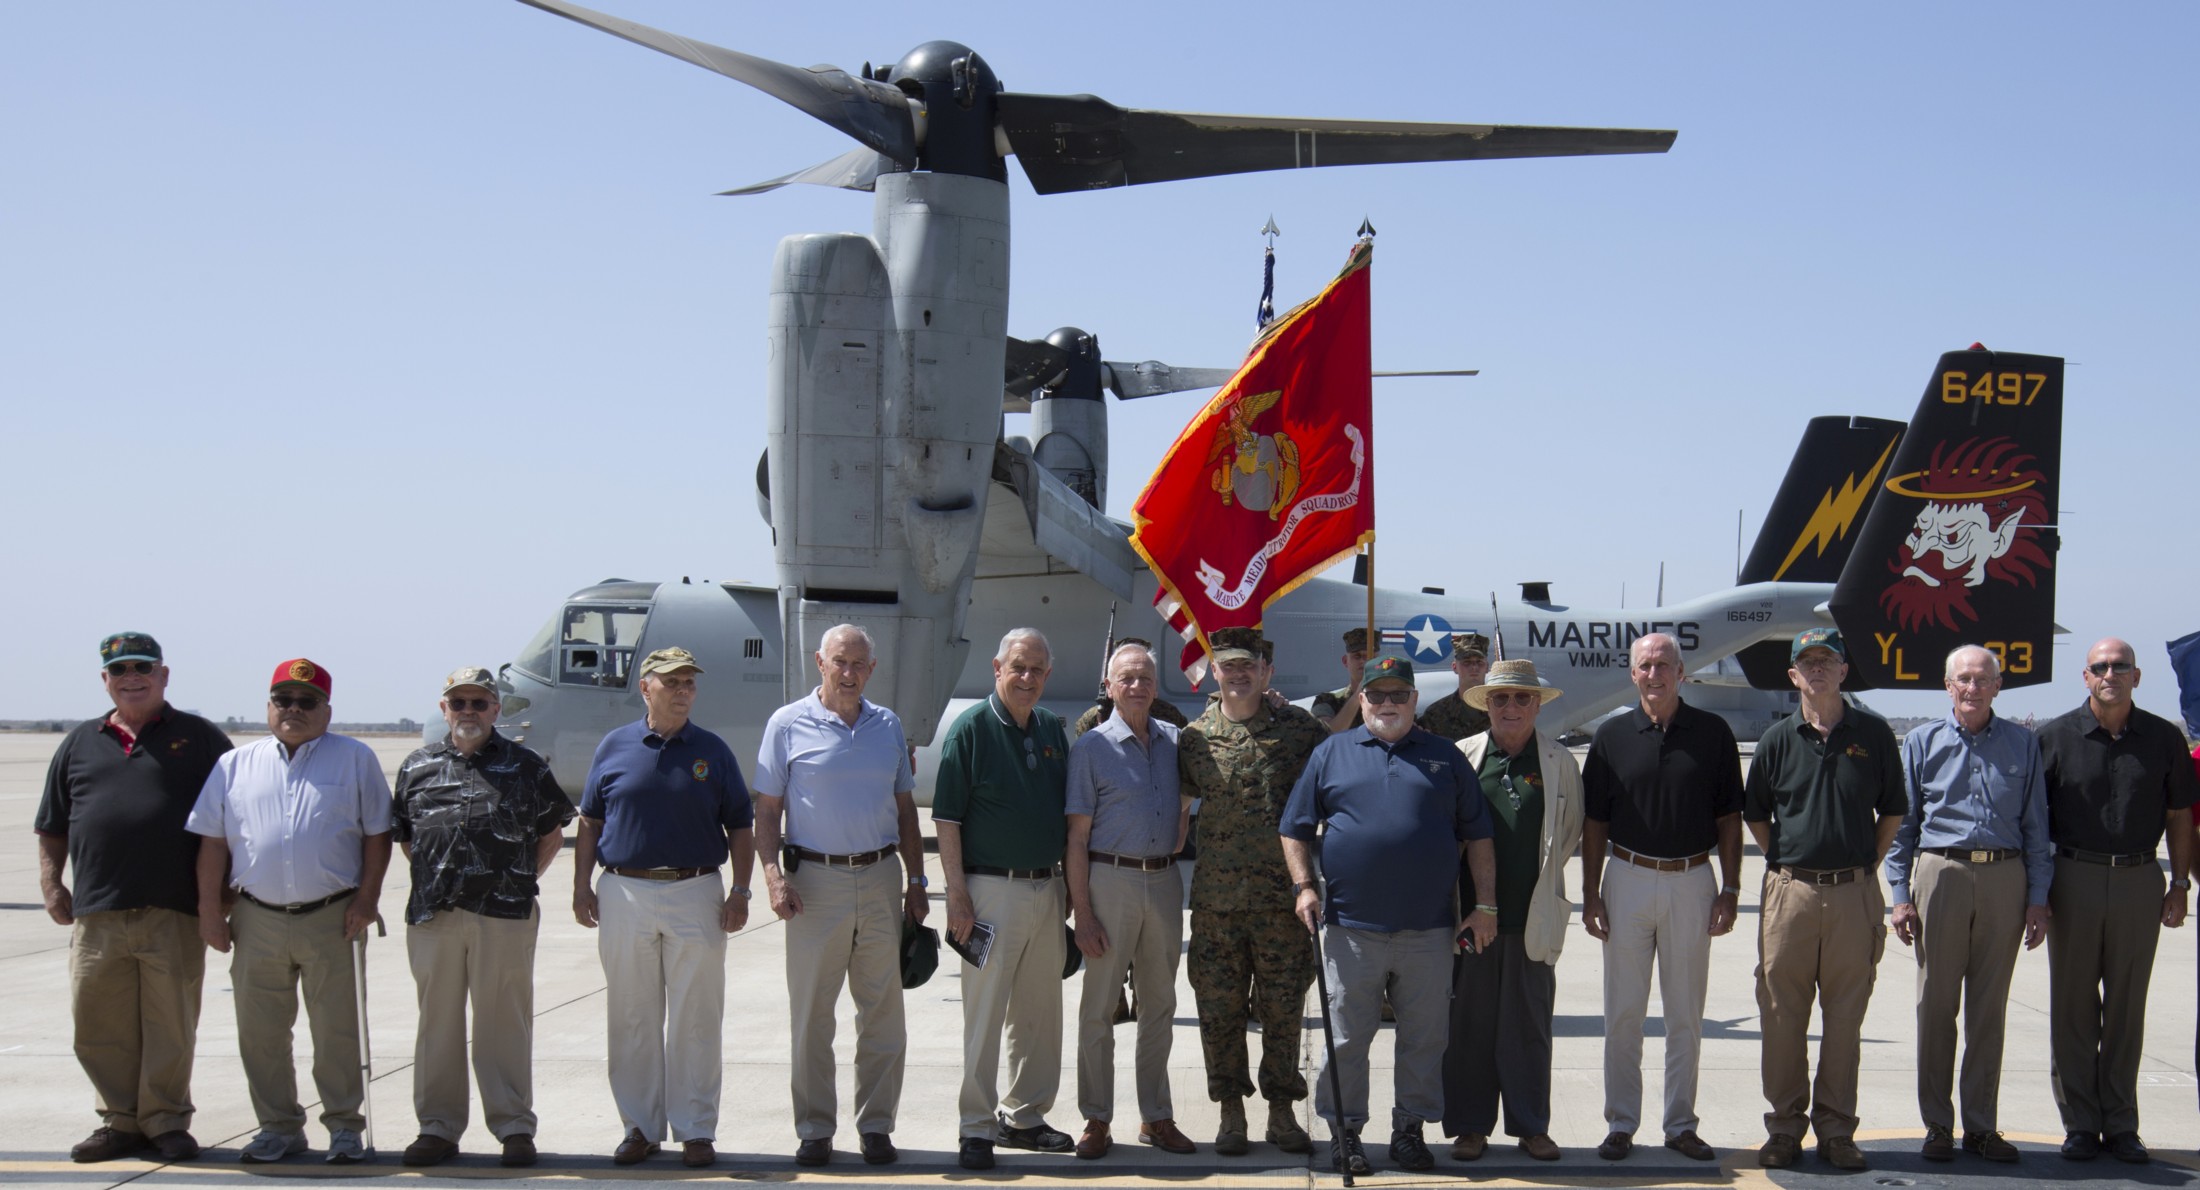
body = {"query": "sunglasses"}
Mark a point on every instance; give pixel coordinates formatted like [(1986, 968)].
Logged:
[(2099, 669), (1500, 698), (468, 704), (1512, 792), (1031, 753), (1379, 697), (116, 669), (304, 702)]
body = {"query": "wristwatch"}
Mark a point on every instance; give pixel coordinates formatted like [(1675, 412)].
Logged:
[(741, 891), (919, 882), (2180, 885), (1302, 886), (1731, 890)]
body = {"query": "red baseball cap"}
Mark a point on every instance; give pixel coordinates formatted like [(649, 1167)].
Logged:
[(300, 672)]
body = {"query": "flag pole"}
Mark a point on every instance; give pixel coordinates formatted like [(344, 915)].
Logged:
[(1374, 643)]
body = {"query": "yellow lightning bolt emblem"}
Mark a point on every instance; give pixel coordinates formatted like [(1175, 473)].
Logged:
[(1836, 513)]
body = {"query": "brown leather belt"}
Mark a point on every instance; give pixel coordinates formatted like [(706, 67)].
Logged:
[(1660, 865), (1157, 863), (1976, 855), (863, 860), (1818, 876), (1011, 873), (300, 907), (2133, 860), (660, 873)]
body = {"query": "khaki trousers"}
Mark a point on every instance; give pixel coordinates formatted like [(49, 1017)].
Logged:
[(2100, 955), (1143, 915), (1972, 918), (1665, 917), (460, 957), (664, 971), (1816, 942), (1019, 988), (134, 982), (849, 932), (273, 958)]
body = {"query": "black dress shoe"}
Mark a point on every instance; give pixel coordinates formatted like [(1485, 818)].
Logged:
[(977, 1153), (1691, 1146), (1940, 1144), (176, 1145), (2127, 1148), (519, 1151), (1038, 1138), (430, 1149), (815, 1151), (1616, 1146), (1989, 1145), (106, 1144), (878, 1149), (2081, 1146)]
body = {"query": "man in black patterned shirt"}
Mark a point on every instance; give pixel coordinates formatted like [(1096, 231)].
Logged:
[(480, 818)]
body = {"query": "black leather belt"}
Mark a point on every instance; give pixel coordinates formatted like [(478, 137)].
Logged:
[(1155, 864), (2133, 860), (302, 906), (1660, 865), (1977, 855), (1011, 873), (1819, 877), (864, 860), (660, 873)]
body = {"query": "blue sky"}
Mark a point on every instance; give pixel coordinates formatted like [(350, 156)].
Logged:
[(369, 331)]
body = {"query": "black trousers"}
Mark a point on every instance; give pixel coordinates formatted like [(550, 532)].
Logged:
[(1501, 1005)]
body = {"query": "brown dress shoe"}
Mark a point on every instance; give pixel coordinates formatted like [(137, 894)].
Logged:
[(519, 1151), (1164, 1135), (430, 1150), (696, 1154), (633, 1150), (1540, 1146), (106, 1144), (1469, 1147), (1096, 1142), (176, 1145), (1691, 1146)]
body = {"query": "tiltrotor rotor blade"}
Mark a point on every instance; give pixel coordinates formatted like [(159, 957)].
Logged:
[(1081, 142), (857, 169), (1151, 378), (872, 112), (1032, 364)]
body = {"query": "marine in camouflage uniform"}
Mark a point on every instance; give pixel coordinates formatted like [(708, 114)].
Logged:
[(1450, 716), (1248, 954), (1329, 702)]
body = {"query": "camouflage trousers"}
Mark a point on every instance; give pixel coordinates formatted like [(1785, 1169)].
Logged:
[(1245, 965)]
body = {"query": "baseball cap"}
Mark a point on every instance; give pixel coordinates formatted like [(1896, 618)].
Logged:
[(128, 646), (1828, 639), (300, 672), (1386, 668), (667, 660), (470, 675)]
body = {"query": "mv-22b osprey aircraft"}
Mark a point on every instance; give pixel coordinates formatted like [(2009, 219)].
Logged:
[(896, 502)]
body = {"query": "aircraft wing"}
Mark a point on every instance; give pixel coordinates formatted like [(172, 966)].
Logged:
[(1034, 523)]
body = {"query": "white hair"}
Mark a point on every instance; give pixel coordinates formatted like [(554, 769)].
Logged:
[(1141, 650), (1642, 644), (825, 643), (1955, 658), (1016, 634)]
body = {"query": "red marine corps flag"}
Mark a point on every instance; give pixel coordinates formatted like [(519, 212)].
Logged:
[(1274, 480)]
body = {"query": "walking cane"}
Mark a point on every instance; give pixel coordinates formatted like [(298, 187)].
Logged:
[(366, 1047), (1329, 1041)]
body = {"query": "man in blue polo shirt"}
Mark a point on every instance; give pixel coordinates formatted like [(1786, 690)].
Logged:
[(660, 796), (1395, 805)]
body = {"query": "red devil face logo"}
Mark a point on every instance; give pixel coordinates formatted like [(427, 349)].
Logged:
[(1982, 503)]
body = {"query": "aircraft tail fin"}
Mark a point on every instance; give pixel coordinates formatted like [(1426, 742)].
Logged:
[(1810, 529), (1960, 548)]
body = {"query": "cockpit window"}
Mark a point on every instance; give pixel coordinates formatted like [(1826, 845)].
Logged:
[(540, 656), (596, 643)]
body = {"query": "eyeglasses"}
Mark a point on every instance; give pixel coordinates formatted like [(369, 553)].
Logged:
[(1031, 753), (466, 704), (1501, 698), (1379, 697), (116, 669), (1512, 792), (2099, 669), (304, 702)]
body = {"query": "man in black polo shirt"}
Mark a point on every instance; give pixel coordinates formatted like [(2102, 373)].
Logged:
[(1663, 787), (998, 805), (116, 796), (480, 819), (2118, 780), (1823, 800)]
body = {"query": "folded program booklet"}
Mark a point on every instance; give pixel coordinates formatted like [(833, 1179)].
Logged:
[(978, 949)]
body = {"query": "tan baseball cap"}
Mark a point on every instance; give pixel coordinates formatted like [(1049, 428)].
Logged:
[(665, 661), (470, 675)]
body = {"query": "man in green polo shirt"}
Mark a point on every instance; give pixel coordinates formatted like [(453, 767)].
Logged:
[(998, 808), (1823, 800)]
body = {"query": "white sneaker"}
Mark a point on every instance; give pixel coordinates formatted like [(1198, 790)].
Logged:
[(344, 1147), (269, 1147)]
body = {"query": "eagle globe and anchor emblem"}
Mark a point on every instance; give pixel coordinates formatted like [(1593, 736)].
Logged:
[(1257, 471)]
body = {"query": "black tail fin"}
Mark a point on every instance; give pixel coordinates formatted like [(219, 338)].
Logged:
[(1809, 531), (1962, 548)]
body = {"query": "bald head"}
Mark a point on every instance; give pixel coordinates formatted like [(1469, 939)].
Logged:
[(2111, 674)]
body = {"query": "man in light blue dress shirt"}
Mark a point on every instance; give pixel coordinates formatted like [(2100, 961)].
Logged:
[(1968, 874)]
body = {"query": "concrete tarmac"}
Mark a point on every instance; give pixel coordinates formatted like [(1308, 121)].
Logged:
[(48, 1104)]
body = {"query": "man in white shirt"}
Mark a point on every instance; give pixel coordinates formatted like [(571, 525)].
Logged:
[(294, 838)]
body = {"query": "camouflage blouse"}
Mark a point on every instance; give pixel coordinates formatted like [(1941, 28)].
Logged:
[(1244, 773)]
